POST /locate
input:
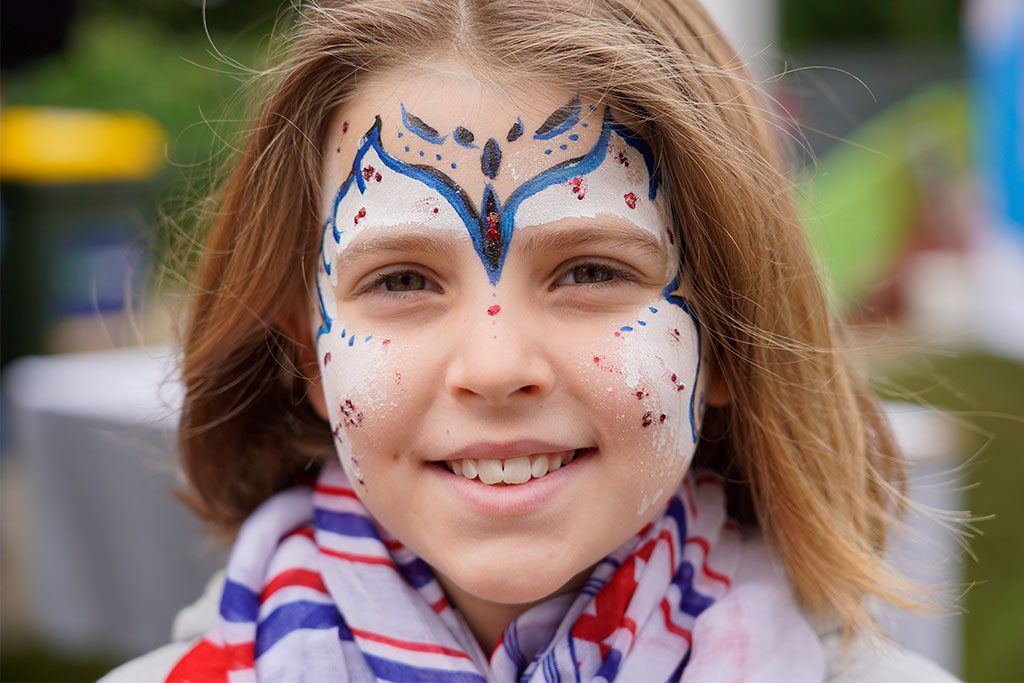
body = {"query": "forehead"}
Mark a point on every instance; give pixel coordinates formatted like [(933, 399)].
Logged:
[(478, 133), (442, 149)]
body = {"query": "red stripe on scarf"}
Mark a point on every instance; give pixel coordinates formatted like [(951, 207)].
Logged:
[(666, 611), (408, 644), (210, 663), (361, 559), (293, 577), (335, 491), (708, 571)]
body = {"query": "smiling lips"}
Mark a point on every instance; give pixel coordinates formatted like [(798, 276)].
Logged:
[(517, 470)]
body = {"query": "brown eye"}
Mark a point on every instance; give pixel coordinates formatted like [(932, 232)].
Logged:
[(586, 275), (404, 282)]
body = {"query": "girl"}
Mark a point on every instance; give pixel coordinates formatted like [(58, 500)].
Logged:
[(508, 362)]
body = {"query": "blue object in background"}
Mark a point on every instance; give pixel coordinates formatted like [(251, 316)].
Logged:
[(996, 44)]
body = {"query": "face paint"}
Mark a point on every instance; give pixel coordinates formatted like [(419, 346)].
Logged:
[(592, 324)]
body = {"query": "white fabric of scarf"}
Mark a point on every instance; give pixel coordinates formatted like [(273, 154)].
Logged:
[(316, 590)]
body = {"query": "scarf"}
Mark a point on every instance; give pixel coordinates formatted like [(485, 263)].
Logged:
[(316, 590)]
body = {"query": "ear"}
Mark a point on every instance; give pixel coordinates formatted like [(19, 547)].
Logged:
[(296, 327), (716, 393)]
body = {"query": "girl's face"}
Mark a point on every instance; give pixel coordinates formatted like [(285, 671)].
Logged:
[(510, 373)]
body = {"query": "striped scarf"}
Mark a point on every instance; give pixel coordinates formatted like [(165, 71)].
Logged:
[(316, 590)]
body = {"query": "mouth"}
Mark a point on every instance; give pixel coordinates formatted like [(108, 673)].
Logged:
[(513, 471)]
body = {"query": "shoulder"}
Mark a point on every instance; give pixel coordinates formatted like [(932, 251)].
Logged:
[(189, 626), (878, 661), (153, 666), (763, 586)]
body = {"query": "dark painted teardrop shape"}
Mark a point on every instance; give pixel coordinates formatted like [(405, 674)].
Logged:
[(464, 136), (515, 132), (490, 160)]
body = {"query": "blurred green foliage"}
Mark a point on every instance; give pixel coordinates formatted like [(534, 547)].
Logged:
[(813, 22), (982, 393), (170, 59)]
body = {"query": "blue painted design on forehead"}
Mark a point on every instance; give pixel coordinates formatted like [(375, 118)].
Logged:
[(492, 218), (638, 143), (421, 129), (561, 120)]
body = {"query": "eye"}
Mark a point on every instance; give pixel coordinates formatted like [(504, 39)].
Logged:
[(586, 275), (403, 282), (592, 274)]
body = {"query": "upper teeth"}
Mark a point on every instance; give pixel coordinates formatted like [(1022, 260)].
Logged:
[(511, 471)]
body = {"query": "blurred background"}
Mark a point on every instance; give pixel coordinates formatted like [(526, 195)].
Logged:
[(904, 123)]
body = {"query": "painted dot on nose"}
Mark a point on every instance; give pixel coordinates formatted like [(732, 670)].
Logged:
[(494, 310)]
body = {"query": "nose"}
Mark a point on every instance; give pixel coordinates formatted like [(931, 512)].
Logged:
[(500, 360)]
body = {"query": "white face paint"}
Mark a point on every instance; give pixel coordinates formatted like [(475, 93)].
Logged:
[(498, 280)]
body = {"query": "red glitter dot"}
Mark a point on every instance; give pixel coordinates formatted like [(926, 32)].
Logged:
[(385, 342), (616, 333), (597, 359), (344, 127), (630, 200), (492, 226), (661, 418), (361, 214), (436, 209), (494, 310), (376, 176), (367, 172), (623, 159), (674, 378), (578, 188)]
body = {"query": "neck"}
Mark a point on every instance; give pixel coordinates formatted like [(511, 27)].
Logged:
[(487, 620)]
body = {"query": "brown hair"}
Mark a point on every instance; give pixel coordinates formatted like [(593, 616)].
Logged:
[(804, 444)]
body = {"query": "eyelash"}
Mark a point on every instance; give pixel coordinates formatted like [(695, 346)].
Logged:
[(376, 286), (618, 276)]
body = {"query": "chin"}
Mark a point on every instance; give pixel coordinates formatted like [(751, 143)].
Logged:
[(517, 580)]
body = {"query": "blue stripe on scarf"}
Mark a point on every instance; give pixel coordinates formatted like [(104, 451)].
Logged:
[(550, 672), (294, 616), (572, 656), (691, 601), (610, 666), (390, 670), (416, 573), (239, 603), (513, 645), (344, 523), (677, 514)]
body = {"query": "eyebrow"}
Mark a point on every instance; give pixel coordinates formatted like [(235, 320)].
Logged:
[(529, 242), (440, 246), (612, 236)]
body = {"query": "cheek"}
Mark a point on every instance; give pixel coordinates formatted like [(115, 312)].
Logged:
[(360, 382), (650, 366)]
